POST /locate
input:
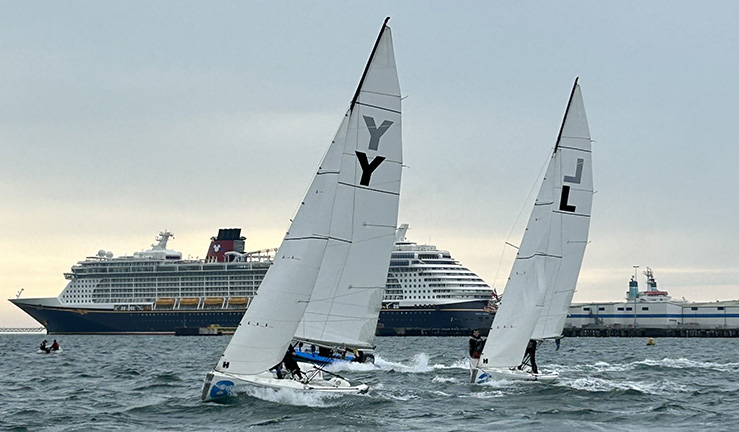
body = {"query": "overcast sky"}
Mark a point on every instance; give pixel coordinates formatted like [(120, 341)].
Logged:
[(121, 119)]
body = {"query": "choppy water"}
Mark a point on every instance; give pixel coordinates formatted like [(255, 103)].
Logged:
[(102, 383)]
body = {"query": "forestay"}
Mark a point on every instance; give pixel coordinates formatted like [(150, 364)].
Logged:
[(348, 292), (523, 299)]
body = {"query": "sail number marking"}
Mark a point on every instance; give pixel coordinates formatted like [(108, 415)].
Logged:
[(576, 179), (367, 166)]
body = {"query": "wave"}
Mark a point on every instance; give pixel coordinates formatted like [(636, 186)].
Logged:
[(294, 398), (599, 385), (438, 379), (673, 363), (418, 364)]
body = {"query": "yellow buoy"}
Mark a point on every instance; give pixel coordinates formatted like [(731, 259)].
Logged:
[(650, 341)]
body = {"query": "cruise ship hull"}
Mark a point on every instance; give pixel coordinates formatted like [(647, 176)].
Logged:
[(446, 320), (454, 319)]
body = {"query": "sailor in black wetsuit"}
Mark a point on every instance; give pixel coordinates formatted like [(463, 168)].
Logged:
[(291, 364), (476, 344), (531, 354)]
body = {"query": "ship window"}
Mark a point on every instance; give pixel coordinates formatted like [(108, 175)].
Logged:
[(620, 308), (720, 308), (694, 308), (645, 308), (586, 308), (628, 308), (601, 308)]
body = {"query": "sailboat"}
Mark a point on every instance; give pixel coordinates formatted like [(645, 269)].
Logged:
[(543, 278), (332, 263)]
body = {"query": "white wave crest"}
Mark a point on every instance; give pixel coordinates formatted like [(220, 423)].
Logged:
[(292, 397), (593, 384), (438, 379), (675, 363), (459, 364), (684, 363), (419, 364), (351, 366)]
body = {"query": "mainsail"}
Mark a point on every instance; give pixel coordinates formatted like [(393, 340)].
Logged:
[(341, 235), (346, 299), (574, 169), (540, 286)]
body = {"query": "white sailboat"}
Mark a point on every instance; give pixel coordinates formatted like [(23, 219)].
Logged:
[(333, 261), (543, 278)]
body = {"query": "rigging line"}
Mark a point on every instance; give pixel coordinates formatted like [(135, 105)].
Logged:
[(378, 107), (576, 149), (533, 186), (381, 93), (571, 213), (378, 225), (368, 188), (351, 153), (545, 255), (313, 237)]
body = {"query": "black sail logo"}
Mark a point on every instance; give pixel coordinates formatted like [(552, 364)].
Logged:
[(367, 166), (576, 179)]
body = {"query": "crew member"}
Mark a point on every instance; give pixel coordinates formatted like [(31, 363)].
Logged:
[(291, 364), (531, 354), (476, 344)]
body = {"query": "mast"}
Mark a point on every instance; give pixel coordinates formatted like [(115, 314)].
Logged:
[(567, 110), (369, 62)]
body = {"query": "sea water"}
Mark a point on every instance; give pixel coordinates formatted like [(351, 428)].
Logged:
[(103, 383)]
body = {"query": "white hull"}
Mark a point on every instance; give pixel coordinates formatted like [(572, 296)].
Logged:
[(480, 375), (219, 385)]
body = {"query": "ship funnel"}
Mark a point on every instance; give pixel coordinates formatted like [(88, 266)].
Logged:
[(633, 289), (228, 240)]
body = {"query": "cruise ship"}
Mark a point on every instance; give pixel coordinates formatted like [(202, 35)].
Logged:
[(157, 292), (430, 293)]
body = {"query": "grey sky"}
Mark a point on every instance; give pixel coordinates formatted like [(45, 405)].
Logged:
[(120, 119)]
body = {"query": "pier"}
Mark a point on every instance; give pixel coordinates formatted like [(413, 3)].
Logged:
[(650, 332), (22, 329)]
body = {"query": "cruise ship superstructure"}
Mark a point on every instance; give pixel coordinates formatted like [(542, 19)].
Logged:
[(157, 291), (154, 291), (430, 293)]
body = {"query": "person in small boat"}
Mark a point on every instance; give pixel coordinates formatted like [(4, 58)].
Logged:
[(55, 346), (43, 346), (358, 356), (324, 352), (477, 343), (530, 355), (291, 364)]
